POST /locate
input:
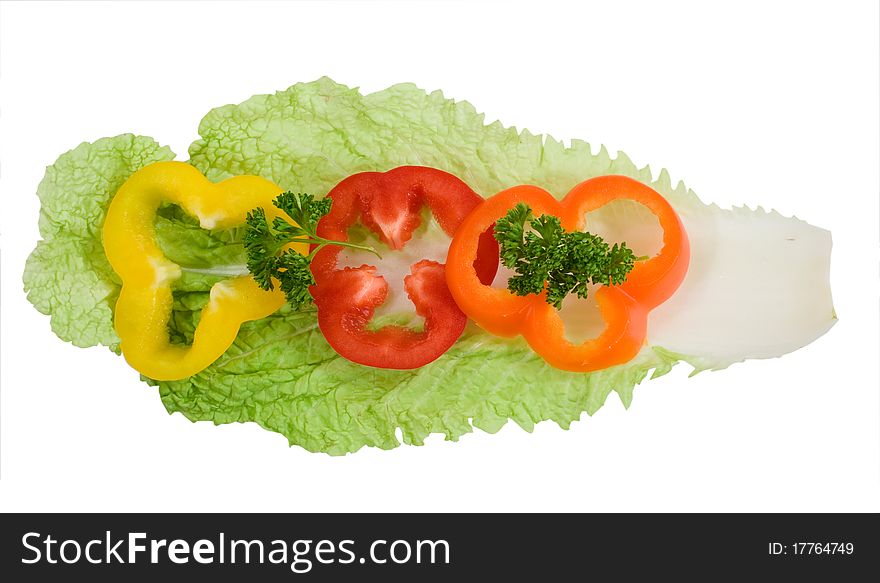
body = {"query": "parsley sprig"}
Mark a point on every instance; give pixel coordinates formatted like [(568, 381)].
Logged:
[(567, 262), (263, 243)]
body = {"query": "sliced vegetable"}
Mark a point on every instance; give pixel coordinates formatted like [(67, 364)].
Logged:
[(389, 204), (145, 302), (624, 308)]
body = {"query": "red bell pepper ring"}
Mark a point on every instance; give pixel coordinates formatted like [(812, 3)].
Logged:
[(624, 308), (389, 204)]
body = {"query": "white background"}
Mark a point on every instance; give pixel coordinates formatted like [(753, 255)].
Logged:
[(771, 103)]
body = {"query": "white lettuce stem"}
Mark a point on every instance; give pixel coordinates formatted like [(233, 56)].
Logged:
[(220, 270)]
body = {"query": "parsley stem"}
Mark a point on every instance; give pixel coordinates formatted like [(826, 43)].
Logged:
[(321, 243)]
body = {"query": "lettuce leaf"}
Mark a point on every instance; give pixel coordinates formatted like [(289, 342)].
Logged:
[(313, 135), (67, 276), (280, 372)]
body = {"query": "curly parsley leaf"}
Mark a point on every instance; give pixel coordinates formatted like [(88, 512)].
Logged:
[(544, 255)]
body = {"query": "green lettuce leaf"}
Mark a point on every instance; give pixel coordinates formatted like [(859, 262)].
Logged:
[(313, 135), (280, 372), (67, 276)]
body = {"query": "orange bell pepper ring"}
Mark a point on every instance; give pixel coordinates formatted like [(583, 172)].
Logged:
[(624, 308)]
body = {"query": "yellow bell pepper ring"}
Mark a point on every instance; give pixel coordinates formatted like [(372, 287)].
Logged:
[(145, 301)]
